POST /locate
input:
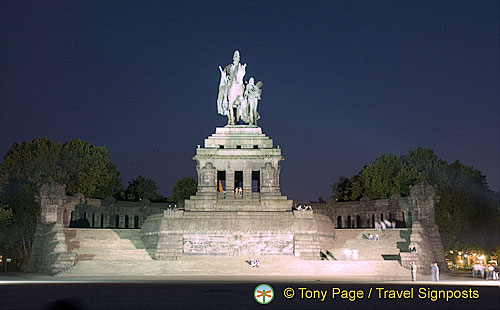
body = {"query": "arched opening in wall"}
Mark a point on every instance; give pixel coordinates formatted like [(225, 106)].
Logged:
[(126, 221), (390, 217), (373, 220), (82, 222), (348, 224), (358, 221), (381, 217), (117, 221), (102, 220), (339, 221), (93, 220), (404, 220), (136, 222), (72, 219)]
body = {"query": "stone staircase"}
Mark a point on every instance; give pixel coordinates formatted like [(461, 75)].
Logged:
[(120, 252), (107, 245), (237, 266), (367, 250)]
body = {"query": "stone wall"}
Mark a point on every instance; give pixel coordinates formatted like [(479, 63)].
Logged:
[(363, 213), (150, 233), (424, 233), (237, 233), (326, 233), (109, 213), (49, 253)]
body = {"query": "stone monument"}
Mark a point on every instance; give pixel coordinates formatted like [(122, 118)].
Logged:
[(238, 98), (238, 208)]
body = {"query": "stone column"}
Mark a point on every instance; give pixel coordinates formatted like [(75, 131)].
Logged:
[(229, 183), (247, 184), (106, 220), (122, 221)]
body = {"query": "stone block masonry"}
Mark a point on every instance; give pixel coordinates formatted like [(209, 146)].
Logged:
[(233, 234)]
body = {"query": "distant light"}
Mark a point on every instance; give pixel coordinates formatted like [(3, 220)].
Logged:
[(465, 255), (451, 252), (460, 253)]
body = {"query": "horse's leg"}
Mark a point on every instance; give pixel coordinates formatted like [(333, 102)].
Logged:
[(238, 112), (231, 115)]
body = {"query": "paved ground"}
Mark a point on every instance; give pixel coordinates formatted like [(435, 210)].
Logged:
[(28, 291)]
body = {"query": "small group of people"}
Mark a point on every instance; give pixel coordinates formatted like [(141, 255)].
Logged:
[(489, 272), (492, 272), (434, 271), (238, 190), (350, 254), (303, 208), (372, 237), (171, 208), (384, 224), (254, 263)]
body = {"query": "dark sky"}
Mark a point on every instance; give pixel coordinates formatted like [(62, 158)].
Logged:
[(344, 81)]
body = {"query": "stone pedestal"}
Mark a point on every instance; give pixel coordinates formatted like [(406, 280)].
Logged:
[(221, 222), (232, 150)]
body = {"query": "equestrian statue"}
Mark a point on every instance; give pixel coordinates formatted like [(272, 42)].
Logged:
[(237, 98)]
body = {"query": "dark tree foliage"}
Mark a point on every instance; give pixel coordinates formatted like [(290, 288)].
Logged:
[(5, 214), (342, 189), (26, 166), (183, 189), (141, 188), (467, 214)]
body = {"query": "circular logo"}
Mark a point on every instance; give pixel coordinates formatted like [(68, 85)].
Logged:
[(263, 294)]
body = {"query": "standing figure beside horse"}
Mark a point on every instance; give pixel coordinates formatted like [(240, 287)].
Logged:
[(235, 94)]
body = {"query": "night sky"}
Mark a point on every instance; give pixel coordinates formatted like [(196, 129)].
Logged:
[(344, 81)]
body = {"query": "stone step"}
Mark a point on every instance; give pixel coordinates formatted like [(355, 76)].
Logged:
[(108, 245), (288, 266)]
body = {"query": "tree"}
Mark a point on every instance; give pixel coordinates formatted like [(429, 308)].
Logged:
[(183, 189), (26, 166), (382, 178), (342, 189), (5, 213), (87, 169), (141, 188)]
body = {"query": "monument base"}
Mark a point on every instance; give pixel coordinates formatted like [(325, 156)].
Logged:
[(250, 234)]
